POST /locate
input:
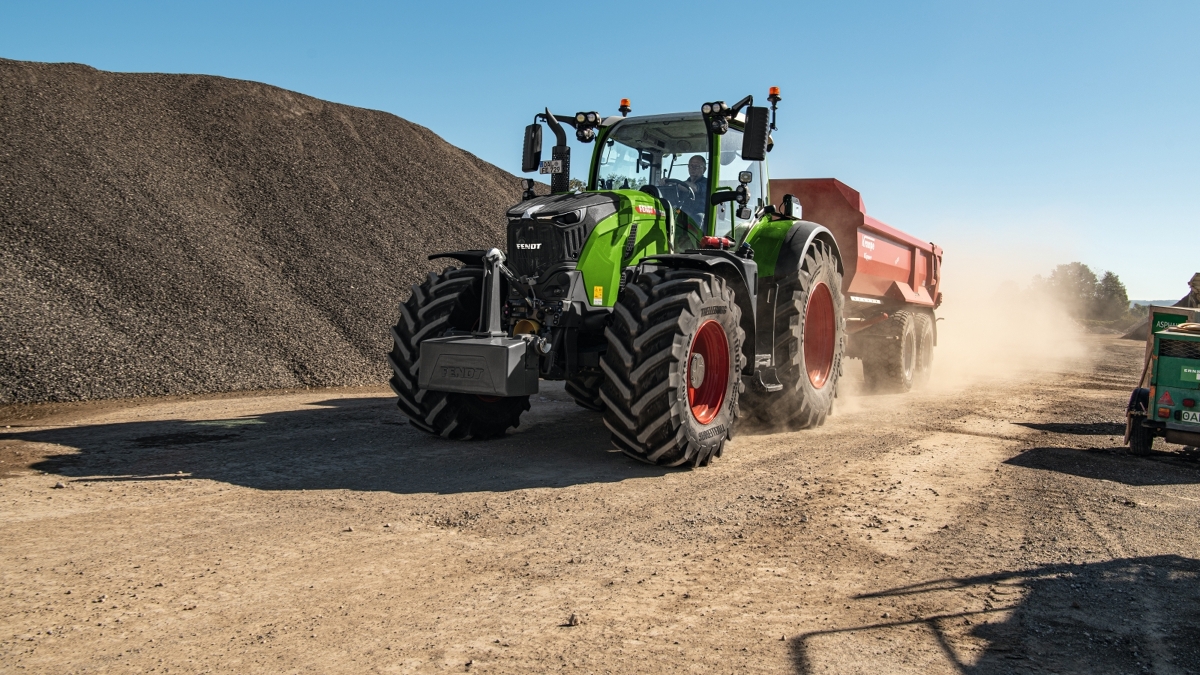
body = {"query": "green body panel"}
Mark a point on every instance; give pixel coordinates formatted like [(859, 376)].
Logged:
[(1177, 377), (766, 238), (600, 261), (1173, 372)]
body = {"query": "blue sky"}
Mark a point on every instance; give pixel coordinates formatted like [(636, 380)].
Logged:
[(1015, 134)]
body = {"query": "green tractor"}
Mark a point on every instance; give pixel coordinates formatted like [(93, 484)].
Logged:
[(1167, 401), (669, 294)]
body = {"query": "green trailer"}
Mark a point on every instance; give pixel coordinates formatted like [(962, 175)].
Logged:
[(1167, 401)]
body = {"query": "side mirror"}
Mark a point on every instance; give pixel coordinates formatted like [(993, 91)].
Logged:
[(531, 158), (758, 129)]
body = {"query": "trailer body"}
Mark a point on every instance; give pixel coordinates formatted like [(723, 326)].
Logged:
[(881, 263)]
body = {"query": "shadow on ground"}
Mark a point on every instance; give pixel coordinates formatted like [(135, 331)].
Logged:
[(1122, 616), (351, 443), (1080, 429), (1159, 468)]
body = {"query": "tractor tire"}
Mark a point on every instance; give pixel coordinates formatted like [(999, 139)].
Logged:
[(446, 301), (924, 365), (810, 343), (585, 389), (673, 368), (890, 362), (1141, 439)]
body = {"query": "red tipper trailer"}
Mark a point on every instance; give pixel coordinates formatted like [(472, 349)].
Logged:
[(891, 281)]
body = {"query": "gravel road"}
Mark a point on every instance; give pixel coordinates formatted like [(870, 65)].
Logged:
[(988, 528)]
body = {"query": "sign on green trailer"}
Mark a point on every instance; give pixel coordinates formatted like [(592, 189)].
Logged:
[(1163, 320)]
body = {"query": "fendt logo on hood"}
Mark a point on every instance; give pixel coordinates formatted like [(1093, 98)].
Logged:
[(531, 247)]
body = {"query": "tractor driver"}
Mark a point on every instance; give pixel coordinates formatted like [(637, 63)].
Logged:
[(696, 178), (694, 204)]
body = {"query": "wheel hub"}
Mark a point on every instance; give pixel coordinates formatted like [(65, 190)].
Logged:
[(696, 369), (708, 371), (820, 335)]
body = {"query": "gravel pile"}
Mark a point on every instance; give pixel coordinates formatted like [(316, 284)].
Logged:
[(170, 234)]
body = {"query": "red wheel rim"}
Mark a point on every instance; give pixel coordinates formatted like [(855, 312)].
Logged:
[(819, 335), (711, 370)]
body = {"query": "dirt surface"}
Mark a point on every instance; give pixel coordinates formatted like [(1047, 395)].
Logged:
[(172, 234), (991, 528)]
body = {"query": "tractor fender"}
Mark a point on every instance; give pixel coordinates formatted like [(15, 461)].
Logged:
[(741, 275), (468, 258), (797, 242)]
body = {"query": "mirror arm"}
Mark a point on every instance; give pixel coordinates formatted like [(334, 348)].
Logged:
[(560, 136), (737, 107)]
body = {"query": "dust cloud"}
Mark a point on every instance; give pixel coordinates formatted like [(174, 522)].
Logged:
[(993, 325)]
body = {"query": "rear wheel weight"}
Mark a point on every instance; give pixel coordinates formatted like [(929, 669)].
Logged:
[(672, 368), (810, 343), (445, 301)]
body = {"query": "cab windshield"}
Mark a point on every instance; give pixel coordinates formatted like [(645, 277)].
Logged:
[(671, 155)]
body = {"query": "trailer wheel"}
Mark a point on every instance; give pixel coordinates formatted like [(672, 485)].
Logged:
[(890, 361), (924, 365), (1141, 438), (585, 389), (445, 301), (672, 369), (810, 342)]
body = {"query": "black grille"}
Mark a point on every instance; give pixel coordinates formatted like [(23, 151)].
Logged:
[(1179, 349), (547, 230), (537, 244)]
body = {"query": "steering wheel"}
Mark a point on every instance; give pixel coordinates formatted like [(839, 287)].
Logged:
[(681, 188)]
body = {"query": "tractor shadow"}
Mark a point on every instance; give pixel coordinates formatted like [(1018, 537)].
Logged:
[(347, 443), (1125, 615), (1159, 468)]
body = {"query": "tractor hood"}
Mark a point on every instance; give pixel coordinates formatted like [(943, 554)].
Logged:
[(552, 229)]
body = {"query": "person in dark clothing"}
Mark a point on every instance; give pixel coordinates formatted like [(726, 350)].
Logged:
[(691, 210), (696, 178)]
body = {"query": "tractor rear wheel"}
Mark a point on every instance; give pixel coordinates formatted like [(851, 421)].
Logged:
[(585, 389), (890, 362), (924, 366), (446, 301), (672, 369), (810, 342)]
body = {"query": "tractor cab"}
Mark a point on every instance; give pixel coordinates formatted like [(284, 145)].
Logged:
[(706, 169), (679, 160)]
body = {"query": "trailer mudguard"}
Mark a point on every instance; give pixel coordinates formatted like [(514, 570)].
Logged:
[(741, 275)]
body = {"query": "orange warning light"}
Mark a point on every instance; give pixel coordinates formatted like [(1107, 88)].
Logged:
[(773, 91), (625, 102), (624, 109)]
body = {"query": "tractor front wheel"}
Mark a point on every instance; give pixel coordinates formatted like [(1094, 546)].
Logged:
[(673, 366), (446, 301)]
